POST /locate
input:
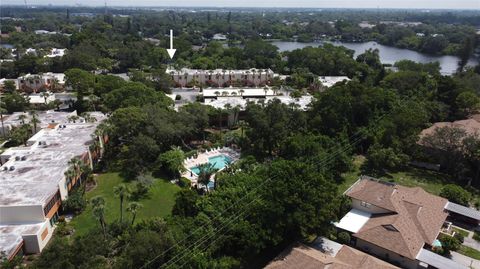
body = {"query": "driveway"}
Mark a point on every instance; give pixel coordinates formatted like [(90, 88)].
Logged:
[(464, 260)]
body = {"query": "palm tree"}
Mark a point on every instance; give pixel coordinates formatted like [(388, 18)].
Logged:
[(2, 110), (69, 175), (217, 93), (34, 121), (22, 118), (57, 103), (241, 91), (133, 208), (206, 172), (122, 192), (98, 205), (45, 95), (73, 118)]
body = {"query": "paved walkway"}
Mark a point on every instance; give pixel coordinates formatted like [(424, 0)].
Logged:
[(467, 261)]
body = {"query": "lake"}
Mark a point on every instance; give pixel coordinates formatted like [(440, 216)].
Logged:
[(6, 45), (388, 55)]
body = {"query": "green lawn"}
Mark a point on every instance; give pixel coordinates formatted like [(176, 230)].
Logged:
[(159, 201), (461, 231), (470, 252), (430, 181)]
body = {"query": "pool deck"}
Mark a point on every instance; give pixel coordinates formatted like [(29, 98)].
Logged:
[(202, 158)]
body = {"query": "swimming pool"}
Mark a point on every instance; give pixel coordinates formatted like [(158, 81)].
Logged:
[(219, 162)]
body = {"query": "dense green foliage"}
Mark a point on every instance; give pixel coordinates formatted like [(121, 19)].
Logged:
[(284, 188)]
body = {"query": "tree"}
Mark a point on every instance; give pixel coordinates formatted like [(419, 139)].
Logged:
[(45, 96), (9, 86), (34, 120), (20, 135), (185, 203), (122, 192), (172, 161), (205, 174), (15, 102), (468, 103), (2, 111), (75, 203), (380, 159), (456, 194), (449, 243), (133, 208), (98, 210)]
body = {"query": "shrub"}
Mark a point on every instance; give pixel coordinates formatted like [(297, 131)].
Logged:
[(455, 194), (449, 243), (75, 203), (184, 182), (343, 238), (476, 235), (459, 237)]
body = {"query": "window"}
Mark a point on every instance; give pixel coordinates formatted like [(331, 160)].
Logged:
[(390, 228), (365, 204)]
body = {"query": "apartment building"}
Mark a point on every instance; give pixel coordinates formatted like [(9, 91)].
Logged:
[(33, 83), (221, 77), (33, 183)]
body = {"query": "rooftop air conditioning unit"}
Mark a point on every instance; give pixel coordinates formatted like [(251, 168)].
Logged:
[(12, 168), (24, 158), (5, 168), (17, 158)]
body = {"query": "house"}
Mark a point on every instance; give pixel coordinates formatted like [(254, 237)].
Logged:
[(219, 37), (396, 223), (471, 126), (329, 81), (33, 183), (54, 52), (220, 77), (326, 254), (33, 83)]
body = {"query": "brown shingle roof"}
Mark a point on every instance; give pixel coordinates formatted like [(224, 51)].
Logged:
[(415, 218), (304, 257)]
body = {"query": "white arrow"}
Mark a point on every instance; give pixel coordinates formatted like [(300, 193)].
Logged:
[(171, 51)]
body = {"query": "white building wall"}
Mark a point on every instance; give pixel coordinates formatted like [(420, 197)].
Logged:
[(357, 204), (20, 214), (33, 243), (63, 189)]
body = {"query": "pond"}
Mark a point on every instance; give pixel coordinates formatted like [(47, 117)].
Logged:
[(6, 46), (388, 55)]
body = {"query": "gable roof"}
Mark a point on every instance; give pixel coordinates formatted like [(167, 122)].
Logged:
[(415, 216), (305, 257)]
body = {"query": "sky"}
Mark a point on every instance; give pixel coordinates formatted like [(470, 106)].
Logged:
[(421, 4)]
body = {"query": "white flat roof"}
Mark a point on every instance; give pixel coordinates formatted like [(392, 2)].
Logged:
[(215, 71), (34, 180), (221, 102), (223, 92), (45, 117), (353, 221), (11, 235)]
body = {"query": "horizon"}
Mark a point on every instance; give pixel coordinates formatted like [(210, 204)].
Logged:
[(278, 4)]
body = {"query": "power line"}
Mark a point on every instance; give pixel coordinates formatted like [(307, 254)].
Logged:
[(324, 161)]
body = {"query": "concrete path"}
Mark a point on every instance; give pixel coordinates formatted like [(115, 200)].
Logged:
[(470, 242), (467, 261)]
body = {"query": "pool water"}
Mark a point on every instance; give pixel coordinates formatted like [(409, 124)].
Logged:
[(219, 162)]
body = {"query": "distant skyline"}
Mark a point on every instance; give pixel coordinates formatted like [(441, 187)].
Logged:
[(417, 4)]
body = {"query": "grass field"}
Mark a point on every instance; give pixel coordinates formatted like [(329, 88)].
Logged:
[(430, 181), (158, 202), (470, 252)]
